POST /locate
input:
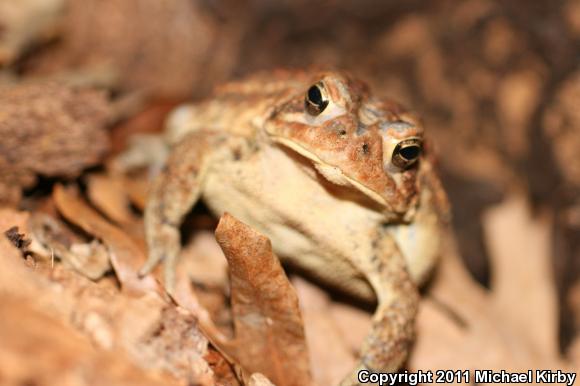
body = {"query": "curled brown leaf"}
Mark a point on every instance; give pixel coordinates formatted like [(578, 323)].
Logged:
[(269, 329), (126, 256)]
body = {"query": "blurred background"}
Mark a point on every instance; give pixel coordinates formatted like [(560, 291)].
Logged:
[(497, 84)]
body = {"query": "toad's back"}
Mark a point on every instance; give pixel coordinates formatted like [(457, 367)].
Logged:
[(237, 107)]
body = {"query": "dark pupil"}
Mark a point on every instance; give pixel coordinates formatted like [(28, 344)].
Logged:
[(410, 152), (315, 96)]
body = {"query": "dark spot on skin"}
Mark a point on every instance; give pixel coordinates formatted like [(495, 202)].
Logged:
[(365, 148), (378, 263), (339, 128), (237, 154)]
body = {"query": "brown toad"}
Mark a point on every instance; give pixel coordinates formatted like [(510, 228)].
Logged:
[(333, 176)]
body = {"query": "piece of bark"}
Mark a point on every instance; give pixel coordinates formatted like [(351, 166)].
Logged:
[(269, 329), (50, 130), (38, 349)]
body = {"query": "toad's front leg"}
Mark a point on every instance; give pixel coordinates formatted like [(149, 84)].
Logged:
[(387, 346), (175, 191)]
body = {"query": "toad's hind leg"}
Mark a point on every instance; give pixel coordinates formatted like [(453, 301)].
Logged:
[(174, 192), (387, 346)]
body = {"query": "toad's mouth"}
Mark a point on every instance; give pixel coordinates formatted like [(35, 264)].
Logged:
[(332, 173)]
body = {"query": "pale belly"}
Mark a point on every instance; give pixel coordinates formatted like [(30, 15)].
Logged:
[(308, 227)]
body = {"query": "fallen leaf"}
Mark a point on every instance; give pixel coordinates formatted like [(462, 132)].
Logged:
[(331, 358), (57, 241), (203, 261), (107, 193), (150, 331), (269, 330), (225, 373), (137, 188), (42, 350), (126, 256), (512, 326), (258, 379)]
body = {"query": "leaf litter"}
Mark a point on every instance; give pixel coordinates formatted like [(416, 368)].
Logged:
[(75, 312)]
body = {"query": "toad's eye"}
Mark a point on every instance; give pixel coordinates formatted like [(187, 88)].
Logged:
[(316, 99), (406, 153)]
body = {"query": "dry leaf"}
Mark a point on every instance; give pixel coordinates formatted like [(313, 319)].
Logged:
[(126, 256), (331, 358), (258, 379), (224, 372), (155, 335), (41, 350), (149, 120), (108, 194), (57, 241), (152, 332), (137, 189), (513, 326), (11, 218), (186, 298), (269, 329), (203, 261)]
